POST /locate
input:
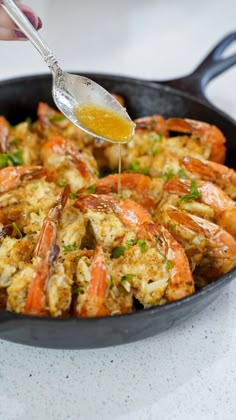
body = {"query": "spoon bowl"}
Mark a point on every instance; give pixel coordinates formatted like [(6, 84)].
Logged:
[(70, 91)]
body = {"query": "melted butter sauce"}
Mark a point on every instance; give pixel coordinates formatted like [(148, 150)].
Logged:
[(108, 124), (105, 123)]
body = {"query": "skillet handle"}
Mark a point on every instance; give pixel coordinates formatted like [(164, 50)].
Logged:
[(213, 65)]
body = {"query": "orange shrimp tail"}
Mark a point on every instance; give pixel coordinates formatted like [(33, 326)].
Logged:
[(94, 304), (36, 301)]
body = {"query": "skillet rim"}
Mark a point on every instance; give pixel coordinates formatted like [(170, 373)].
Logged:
[(210, 288)]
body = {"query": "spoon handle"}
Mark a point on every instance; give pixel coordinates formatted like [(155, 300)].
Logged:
[(23, 23)]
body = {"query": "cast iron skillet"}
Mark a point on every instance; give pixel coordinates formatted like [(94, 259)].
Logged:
[(180, 98)]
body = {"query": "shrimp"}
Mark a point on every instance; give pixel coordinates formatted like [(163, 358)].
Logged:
[(220, 253), (209, 135), (4, 135), (11, 176), (221, 175), (154, 152), (175, 279), (138, 187), (70, 165), (46, 251), (205, 243), (223, 206), (35, 277), (155, 123), (94, 305)]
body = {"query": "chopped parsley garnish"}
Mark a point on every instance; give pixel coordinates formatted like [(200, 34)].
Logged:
[(118, 251), (182, 174), (112, 284), (37, 212), (135, 167), (169, 264), (130, 243), (70, 247), (90, 190), (173, 227), (17, 230), (168, 175), (73, 196), (10, 158), (16, 157), (61, 183), (127, 277), (56, 117), (79, 290), (15, 141), (142, 245), (155, 150), (3, 160), (194, 193)]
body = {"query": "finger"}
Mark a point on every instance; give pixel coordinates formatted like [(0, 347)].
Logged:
[(9, 30)]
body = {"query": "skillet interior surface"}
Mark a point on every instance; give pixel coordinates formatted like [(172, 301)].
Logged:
[(19, 99)]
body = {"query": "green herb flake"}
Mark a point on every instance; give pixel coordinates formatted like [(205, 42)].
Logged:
[(127, 278), (62, 184), (173, 227), (130, 243), (34, 187), (112, 284), (15, 141), (3, 160), (78, 291), (17, 230), (118, 251), (16, 157), (90, 190), (168, 175), (193, 195), (37, 212), (73, 196), (70, 247), (142, 245), (56, 117), (135, 167), (169, 264), (182, 174), (155, 150)]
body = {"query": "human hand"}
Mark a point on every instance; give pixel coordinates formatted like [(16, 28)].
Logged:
[(8, 29)]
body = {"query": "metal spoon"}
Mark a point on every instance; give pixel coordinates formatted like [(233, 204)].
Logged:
[(68, 90)]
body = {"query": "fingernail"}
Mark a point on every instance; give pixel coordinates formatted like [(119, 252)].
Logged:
[(40, 24), (35, 22)]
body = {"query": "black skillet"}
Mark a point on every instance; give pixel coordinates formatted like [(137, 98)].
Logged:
[(182, 97)]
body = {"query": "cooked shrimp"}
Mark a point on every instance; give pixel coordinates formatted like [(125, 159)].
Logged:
[(94, 303), (4, 135), (69, 164), (209, 135), (176, 274), (205, 243), (46, 252), (223, 206), (11, 176), (138, 187), (221, 175)]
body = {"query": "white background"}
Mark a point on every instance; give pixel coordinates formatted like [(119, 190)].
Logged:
[(188, 372)]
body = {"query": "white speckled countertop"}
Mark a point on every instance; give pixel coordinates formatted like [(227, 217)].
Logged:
[(188, 372)]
